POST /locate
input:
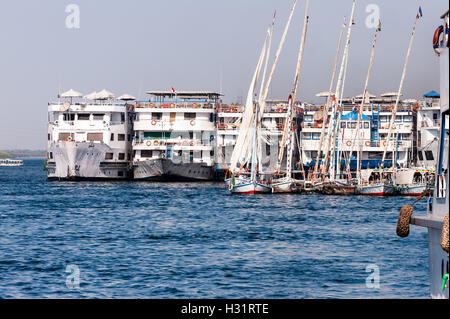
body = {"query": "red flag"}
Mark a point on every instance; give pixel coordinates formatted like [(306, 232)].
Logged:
[(173, 90)]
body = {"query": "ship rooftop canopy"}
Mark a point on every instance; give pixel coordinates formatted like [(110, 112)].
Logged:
[(188, 94)]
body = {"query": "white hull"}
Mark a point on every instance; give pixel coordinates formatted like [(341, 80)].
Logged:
[(165, 169), (411, 190), (282, 185), (250, 188), (84, 160), (375, 190)]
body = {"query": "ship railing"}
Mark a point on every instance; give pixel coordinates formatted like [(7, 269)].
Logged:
[(171, 142), (233, 108), (430, 123), (227, 127), (176, 104)]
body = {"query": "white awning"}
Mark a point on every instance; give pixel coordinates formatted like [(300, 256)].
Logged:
[(105, 95), (91, 96), (71, 93), (126, 97), (390, 94), (324, 94), (368, 95)]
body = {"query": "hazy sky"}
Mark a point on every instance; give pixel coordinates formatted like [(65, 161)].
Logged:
[(136, 45)]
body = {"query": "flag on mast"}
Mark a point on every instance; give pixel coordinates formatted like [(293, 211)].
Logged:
[(173, 90), (419, 14)]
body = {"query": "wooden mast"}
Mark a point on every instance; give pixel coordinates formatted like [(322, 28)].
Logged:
[(327, 106), (394, 111)]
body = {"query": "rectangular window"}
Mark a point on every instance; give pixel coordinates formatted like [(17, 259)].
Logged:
[(407, 118), (146, 154), (156, 116), (308, 118), (64, 136), (316, 136), (95, 137), (120, 173), (343, 124), (49, 136), (429, 155), (122, 117), (129, 137), (307, 135), (121, 137), (112, 136), (419, 153), (99, 116), (366, 125), (398, 119), (121, 156), (109, 156), (190, 116), (384, 118), (50, 155), (353, 125), (83, 117), (69, 117)]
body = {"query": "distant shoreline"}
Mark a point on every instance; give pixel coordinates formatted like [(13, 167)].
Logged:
[(22, 153)]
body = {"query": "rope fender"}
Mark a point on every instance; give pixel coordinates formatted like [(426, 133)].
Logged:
[(403, 220), (444, 235)]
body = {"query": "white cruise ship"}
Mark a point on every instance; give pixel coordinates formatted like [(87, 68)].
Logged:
[(428, 124), (374, 128), (89, 137), (175, 135)]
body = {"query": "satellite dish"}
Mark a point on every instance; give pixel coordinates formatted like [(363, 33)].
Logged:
[(65, 106)]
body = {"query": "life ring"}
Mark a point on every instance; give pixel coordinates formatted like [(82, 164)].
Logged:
[(154, 122), (185, 143), (436, 35), (69, 139), (192, 122), (156, 143), (151, 105), (195, 105), (384, 143), (280, 110), (148, 143), (138, 105), (367, 143), (172, 105), (191, 143), (349, 143), (180, 105)]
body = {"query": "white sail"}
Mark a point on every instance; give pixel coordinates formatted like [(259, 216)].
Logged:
[(287, 132), (241, 147)]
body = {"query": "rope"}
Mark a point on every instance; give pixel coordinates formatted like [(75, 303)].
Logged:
[(444, 235)]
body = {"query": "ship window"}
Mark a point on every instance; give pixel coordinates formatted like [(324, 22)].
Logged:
[(122, 117), (353, 125), (429, 155), (50, 155), (69, 117), (95, 137), (343, 124), (83, 117), (316, 136), (112, 136), (121, 137), (156, 135), (109, 156), (307, 135), (121, 156), (120, 173), (407, 118), (129, 137), (48, 136), (98, 117), (156, 116), (129, 156), (398, 119), (64, 136), (366, 124), (384, 118), (146, 153), (189, 116)]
